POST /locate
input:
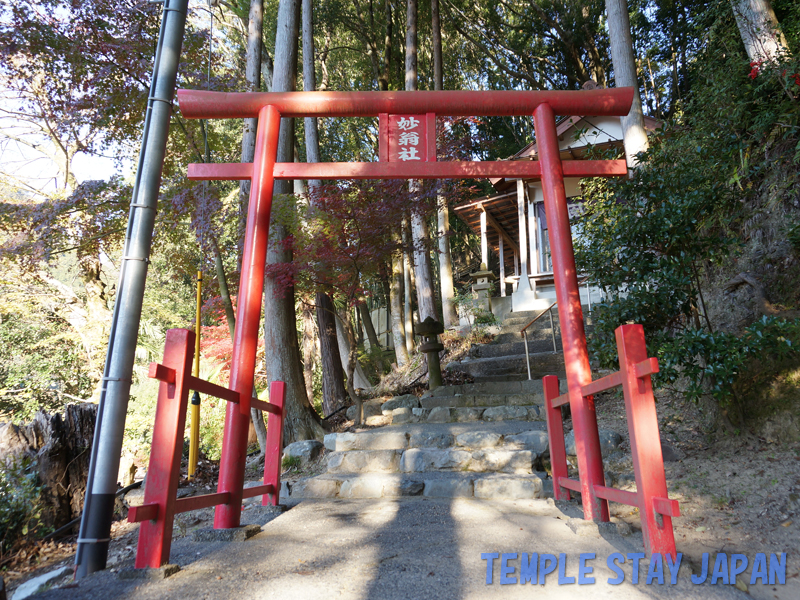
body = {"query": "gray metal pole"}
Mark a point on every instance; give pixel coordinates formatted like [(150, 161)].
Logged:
[(102, 481)]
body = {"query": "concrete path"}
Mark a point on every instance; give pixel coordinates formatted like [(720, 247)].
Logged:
[(395, 549)]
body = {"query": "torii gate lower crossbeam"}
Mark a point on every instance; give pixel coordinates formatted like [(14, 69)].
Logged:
[(264, 170)]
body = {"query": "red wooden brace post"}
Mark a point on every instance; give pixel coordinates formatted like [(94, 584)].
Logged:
[(160, 504), (272, 460), (655, 508), (155, 534), (555, 437)]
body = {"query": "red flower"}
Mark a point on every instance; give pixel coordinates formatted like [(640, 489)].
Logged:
[(754, 67)]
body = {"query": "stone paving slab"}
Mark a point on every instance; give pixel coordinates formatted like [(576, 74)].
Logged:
[(397, 550)]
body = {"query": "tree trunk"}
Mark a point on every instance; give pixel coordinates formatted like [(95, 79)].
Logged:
[(408, 308), (333, 392), (309, 350), (411, 46), (369, 326), (426, 303), (256, 416), (352, 365), (383, 82), (386, 286), (222, 281), (346, 349), (449, 314), (396, 300), (97, 313), (282, 354), (61, 447), (436, 35), (619, 33), (419, 227), (255, 25), (760, 31)]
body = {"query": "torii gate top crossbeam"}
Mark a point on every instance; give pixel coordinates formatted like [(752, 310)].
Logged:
[(196, 104)]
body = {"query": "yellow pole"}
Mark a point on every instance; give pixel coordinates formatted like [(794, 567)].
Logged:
[(194, 432)]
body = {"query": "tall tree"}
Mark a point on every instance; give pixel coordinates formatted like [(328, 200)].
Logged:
[(419, 224), (449, 313), (758, 26), (619, 32), (282, 352), (396, 301), (75, 78), (333, 392)]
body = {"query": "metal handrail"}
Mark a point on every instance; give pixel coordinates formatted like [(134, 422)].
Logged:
[(549, 311), (537, 317)]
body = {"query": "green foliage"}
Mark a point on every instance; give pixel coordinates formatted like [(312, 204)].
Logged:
[(40, 368), (719, 363), (291, 462), (793, 237), (642, 239), (375, 361), (20, 508), (727, 158), (484, 318), (467, 307), (42, 359)]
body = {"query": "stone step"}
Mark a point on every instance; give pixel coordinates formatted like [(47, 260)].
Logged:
[(488, 486), (514, 337), (541, 364), (501, 378), (501, 387), (523, 314), (528, 315), (452, 412), (516, 347), (520, 322), (508, 335), (386, 442), (485, 460), (483, 400), (418, 460)]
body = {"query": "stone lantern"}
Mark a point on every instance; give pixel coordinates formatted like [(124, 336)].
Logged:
[(483, 278), (429, 329)]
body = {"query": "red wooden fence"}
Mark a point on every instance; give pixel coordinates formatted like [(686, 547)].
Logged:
[(161, 504), (655, 508)]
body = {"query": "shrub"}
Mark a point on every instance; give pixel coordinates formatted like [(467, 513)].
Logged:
[(20, 508)]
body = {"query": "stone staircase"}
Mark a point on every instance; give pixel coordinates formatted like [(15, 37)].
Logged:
[(487, 439), (484, 460), (504, 359)]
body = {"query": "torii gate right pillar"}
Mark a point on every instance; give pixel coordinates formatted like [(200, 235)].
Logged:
[(576, 355)]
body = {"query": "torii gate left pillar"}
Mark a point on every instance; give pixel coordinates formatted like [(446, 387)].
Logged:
[(270, 107)]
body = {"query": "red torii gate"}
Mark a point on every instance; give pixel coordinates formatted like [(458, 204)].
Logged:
[(423, 107), (270, 107)]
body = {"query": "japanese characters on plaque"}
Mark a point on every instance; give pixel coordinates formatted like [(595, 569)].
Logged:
[(407, 138)]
